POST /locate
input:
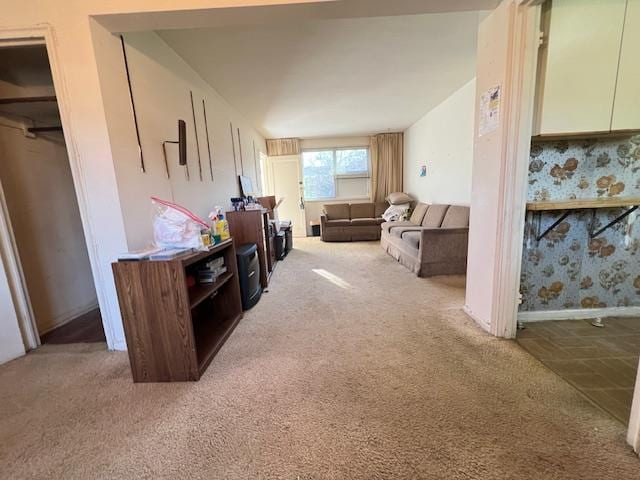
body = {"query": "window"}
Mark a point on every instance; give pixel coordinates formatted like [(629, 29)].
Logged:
[(335, 173)]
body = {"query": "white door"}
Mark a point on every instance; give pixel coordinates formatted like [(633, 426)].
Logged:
[(287, 185)]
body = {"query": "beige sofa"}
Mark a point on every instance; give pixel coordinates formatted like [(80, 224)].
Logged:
[(432, 242), (343, 222)]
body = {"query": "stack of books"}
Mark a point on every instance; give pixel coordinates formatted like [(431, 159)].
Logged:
[(210, 271)]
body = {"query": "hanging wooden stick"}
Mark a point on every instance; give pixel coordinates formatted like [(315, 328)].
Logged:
[(255, 161), (195, 129), (164, 154), (133, 105), (240, 149), (206, 129), (233, 146)]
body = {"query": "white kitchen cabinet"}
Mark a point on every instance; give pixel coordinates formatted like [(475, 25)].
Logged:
[(626, 107), (578, 75)]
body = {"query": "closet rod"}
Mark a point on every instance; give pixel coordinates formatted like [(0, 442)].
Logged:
[(8, 101), (44, 129)]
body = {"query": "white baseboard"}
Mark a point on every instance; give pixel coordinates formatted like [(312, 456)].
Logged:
[(119, 346), (475, 318), (578, 314), (68, 316)]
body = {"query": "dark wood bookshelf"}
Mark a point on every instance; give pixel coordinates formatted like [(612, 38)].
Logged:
[(174, 331), (201, 292)]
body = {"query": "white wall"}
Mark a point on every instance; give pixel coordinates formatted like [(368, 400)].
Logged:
[(43, 209), (161, 83), (77, 80), (443, 141)]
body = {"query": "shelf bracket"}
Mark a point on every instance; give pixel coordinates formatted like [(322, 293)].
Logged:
[(554, 225), (619, 218)]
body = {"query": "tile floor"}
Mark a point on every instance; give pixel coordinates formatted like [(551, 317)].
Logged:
[(600, 362)]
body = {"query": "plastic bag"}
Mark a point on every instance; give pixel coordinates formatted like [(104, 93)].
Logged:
[(176, 227)]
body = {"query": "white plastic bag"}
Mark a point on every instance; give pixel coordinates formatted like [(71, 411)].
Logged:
[(176, 227), (396, 213)]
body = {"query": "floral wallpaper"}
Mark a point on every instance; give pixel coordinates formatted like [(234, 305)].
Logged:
[(567, 268)]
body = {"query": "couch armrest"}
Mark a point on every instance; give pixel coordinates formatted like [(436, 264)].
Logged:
[(443, 244), (323, 226)]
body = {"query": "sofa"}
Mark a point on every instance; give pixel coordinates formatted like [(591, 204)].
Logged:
[(344, 222), (432, 242)]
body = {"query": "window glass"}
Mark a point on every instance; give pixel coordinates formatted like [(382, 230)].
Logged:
[(319, 174), (352, 162)]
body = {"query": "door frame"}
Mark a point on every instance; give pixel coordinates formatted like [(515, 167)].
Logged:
[(44, 35), (519, 117)]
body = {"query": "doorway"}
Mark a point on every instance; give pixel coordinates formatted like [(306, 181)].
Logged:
[(287, 185), (40, 206)]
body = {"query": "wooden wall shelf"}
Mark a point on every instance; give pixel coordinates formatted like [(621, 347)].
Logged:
[(567, 206), (583, 204), (173, 331), (584, 135)]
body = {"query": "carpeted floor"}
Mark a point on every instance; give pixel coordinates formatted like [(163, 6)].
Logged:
[(349, 368)]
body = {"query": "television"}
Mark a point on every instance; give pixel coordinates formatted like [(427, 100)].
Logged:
[(182, 142), (246, 186)]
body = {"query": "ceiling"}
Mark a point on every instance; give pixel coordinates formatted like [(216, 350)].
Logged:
[(337, 77)]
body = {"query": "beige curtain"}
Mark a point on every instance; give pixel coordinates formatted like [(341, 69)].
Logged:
[(386, 165), (283, 146)]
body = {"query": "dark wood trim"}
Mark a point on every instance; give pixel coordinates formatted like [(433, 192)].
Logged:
[(581, 135), (9, 101)]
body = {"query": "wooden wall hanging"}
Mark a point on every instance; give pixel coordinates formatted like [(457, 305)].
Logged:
[(133, 105), (206, 130), (195, 131)]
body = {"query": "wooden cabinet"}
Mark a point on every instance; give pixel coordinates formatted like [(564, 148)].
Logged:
[(626, 107), (252, 226), (579, 65), (173, 331)]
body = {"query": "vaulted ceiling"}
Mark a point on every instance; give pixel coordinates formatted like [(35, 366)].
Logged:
[(338, 76)]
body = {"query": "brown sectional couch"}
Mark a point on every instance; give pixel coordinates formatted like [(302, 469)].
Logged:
[(432, 242), (343, 222)]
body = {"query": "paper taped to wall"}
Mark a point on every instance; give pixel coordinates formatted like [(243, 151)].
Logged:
[(489, 111)]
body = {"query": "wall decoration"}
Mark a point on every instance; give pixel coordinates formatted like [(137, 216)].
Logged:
[(489, 111), (206, 130), (195, 131), (133, 105), (233, 147), (423, 170), (567, 268)]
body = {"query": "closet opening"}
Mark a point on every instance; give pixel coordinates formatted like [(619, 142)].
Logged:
[(39, 206)]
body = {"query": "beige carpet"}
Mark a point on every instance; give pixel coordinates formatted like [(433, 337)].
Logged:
[(356, 371)]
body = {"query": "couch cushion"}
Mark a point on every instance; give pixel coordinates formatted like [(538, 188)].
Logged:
[(418, 213), (362, 210), (339, 223), (388, 225), (336, 211), (412, 238), (457, 217), (380, 208), (433, 217), (364, 222), (399, 231)]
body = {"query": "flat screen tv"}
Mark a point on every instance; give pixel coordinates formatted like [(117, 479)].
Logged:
[(246, 186)]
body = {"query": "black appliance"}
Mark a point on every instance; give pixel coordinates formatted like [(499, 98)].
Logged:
[(288, 240), (279, 241), (249, 275)]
